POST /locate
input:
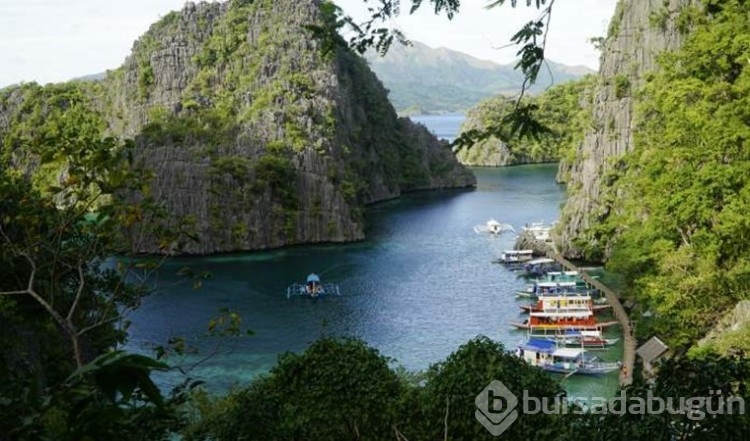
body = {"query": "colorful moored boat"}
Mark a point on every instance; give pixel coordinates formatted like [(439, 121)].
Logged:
[(564, 303), (547, 355)]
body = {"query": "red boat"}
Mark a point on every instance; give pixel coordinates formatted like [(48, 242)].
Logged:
[(552, 323)]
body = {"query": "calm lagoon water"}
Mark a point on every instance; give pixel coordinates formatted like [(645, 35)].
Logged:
[(442, 126), (419, 286)]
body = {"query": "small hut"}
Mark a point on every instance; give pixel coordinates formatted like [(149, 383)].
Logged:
[(651, 353)]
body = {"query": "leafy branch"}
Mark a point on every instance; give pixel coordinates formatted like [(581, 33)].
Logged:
[(378, 31)]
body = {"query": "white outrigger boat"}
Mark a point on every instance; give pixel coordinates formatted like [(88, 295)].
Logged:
[(539, 230), (312, 288), (547, 355), (510, 257), (583, 339), (493, 227)]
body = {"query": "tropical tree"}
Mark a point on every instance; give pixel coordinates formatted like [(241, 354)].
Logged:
[(68, 241), (337, 390), (342, 389), (443, 404)]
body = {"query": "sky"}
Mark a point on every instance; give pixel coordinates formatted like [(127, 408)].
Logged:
[(57, 40)]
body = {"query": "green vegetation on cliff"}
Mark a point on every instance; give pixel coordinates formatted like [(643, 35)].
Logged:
[(564, 109), (679, 231)]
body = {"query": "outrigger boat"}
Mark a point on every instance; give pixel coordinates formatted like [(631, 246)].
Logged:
[(556, 282), (548, 288), (539, 231), (584, 339), (547, 355), (564, 303), (539, 267), (510, 257), (312, 288), (493, 227)]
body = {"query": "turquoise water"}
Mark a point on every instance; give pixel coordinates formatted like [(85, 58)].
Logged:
[(419, 286)]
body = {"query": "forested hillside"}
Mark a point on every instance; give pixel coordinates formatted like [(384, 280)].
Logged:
[(421, 79)]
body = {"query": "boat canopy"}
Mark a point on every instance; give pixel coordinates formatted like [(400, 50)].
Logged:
[(539, 345), (572, 313), (550, 302), (555, 284), (582, 333), (513, 252), (568, 352), (313, 278)]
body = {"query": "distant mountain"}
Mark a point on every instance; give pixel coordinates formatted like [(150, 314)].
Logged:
[(92, 77), (426, 80)]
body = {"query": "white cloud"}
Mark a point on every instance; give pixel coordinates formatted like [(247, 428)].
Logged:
[(481, 32), (55, 40), (49, 41)]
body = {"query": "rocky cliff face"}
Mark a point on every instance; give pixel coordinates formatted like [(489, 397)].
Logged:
[(731, 332), (639, 31), (258, 138)]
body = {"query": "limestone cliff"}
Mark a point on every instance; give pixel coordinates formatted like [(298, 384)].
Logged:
[(639, 31), (492, 152), (258, 137)]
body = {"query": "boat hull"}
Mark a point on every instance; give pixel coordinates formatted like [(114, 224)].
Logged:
[(564, 326), (322, 290), (571, 368), (601, 343)]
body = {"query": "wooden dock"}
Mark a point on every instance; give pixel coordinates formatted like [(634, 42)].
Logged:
[(629, 343)]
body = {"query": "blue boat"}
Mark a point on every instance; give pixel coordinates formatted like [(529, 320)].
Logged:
[(312, 288), (539, 267), (549, 356)]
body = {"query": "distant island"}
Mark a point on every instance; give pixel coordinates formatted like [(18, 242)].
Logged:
[(424, 80)]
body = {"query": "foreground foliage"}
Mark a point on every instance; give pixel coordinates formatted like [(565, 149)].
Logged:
[(62, 291), (343, 389), (691, 390)]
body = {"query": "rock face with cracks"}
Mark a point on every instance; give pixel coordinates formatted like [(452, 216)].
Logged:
[(639, 31)]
